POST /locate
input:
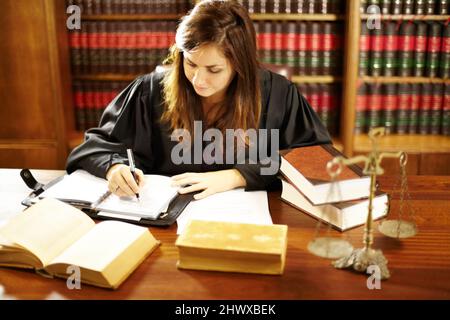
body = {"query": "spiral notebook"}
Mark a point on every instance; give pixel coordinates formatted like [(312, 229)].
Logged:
[(86, 190)]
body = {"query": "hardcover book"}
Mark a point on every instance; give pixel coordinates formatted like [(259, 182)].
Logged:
[(305, 169), (232, 247), (50, 236), (343, 215)]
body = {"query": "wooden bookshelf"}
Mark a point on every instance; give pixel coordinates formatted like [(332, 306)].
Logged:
[(296, 17), (316, 79), (411, 143), (408, 17), (131, 17), (356, 144), (370, 79)]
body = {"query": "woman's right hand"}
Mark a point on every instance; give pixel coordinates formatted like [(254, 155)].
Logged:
[(121, 181)]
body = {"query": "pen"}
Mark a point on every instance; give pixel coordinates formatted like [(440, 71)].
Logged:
[(132, 167)]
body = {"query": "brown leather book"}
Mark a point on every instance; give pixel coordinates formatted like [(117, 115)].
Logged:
[(305, 169)]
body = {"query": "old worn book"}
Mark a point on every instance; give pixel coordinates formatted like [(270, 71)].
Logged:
[(305, 169), (232, 247), (342, 215), (51, 236)]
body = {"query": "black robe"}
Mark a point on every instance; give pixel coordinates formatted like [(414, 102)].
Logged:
[(131, 120)]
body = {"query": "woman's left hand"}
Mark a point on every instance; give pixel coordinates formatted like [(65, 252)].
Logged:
[(210, 182)]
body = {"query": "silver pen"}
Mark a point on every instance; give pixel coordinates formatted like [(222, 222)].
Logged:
[(132, 167)]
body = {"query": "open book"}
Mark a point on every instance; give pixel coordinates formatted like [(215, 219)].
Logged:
[(50, 236), (87, 190), (305, 169)]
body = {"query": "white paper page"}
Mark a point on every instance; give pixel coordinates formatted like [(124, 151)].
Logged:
[(231, 206), (99, 247), (154, 199), (80, 185)]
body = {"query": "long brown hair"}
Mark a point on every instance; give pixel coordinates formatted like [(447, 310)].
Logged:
[(227, 25)]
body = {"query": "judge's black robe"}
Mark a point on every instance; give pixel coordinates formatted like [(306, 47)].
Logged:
[(131, 120)]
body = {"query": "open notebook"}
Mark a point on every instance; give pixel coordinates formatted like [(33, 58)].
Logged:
[(89, 191)]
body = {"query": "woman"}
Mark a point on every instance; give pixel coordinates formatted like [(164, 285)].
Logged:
[(213, 80)]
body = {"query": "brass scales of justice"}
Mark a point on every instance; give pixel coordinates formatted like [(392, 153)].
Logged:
[(360, 259)]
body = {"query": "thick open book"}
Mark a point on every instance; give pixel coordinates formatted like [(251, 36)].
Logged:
[(232, 247), (91, 192), (342, 215), (305, 169), (50, 236)]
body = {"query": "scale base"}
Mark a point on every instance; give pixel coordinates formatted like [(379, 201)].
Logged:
[(361, 259)]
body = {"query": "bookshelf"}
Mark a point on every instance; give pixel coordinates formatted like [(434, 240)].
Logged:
[(416, 144), (345, 77)]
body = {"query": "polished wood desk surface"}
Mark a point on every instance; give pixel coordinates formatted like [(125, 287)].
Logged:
[(419, 266)]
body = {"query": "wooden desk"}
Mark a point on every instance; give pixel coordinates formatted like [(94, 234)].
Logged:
[(420, 266)]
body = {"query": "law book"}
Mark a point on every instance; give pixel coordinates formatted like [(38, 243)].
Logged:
[(232, 247), (404, 107), (446, 111), (420, 49), (343, 215), (85, 190), (374, 105), (406, 45), (305, 168), (361, 108), (376, 53), (436, 108), (390, 107), (414, 107), (425, 108), (390, 48), (52, 236), (433, 49), (364, 50)]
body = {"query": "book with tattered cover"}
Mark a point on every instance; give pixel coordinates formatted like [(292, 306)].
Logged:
[(232, 247)]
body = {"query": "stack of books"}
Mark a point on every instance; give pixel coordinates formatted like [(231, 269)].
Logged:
[(307, 186)]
